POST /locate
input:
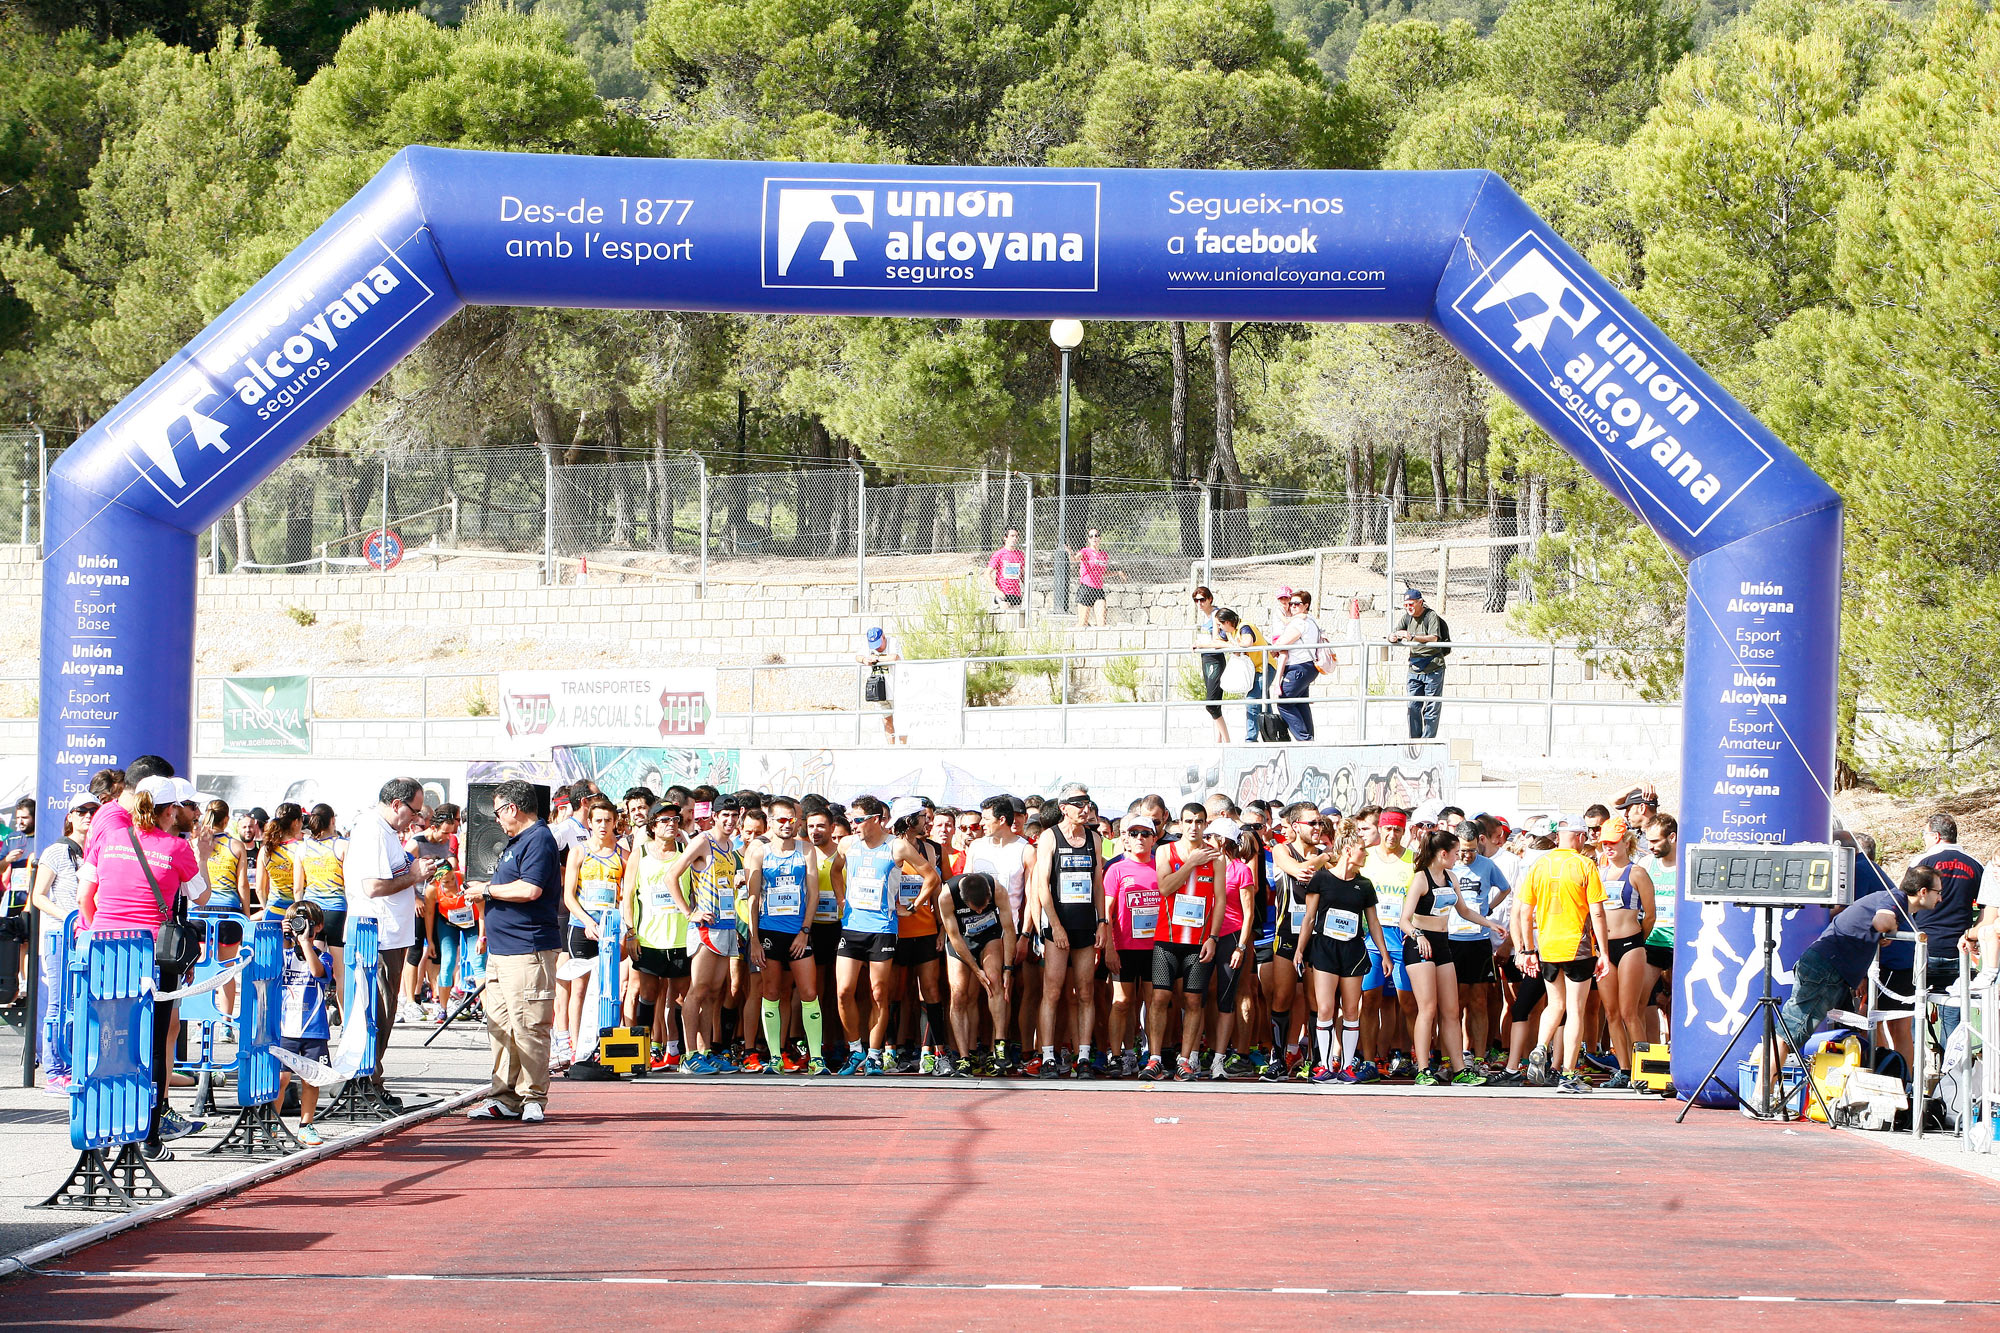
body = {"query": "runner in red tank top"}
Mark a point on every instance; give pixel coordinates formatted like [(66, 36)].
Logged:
[(1184, 950)]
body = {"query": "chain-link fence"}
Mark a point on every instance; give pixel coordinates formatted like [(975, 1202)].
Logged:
[(25, 454), (677, 514)]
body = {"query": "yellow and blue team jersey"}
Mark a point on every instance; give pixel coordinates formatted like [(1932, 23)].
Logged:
[(715, 885), (225, 878), (598, 878), (320, 872), (284, 876), (826, 905)]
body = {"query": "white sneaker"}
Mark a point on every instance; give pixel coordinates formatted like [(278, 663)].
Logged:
[(493, 1111), (531, 1113)]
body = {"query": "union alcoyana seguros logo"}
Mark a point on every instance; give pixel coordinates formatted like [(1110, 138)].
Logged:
[(1627, 395), (897, 235)]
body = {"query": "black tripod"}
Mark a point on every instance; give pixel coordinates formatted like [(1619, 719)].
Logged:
[(1767, 1005), (457, 1010)]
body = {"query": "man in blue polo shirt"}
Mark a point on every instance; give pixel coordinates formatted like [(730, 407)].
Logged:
[(523, 901)]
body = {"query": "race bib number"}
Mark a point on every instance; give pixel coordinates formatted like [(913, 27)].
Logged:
[(460, 916), (979, 925), (1190, 911), (828, 904), (1341, 925), (1072, 887), (866, 897), (1145, 922), (785, 900), (1298, 917), (1010, 570)]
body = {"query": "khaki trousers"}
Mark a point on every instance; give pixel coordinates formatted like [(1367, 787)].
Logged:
[(520, 1003)]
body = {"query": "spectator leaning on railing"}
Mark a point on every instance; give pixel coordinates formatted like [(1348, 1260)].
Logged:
[(1430, 639)]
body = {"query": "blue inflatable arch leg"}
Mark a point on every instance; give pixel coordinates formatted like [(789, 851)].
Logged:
[(438, 229)]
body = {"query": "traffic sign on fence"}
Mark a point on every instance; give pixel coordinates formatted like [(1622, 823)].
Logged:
[(383, 549)]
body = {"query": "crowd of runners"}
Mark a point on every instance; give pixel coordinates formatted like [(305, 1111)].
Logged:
[(1055, 939)]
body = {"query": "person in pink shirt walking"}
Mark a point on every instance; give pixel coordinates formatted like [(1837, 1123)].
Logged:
[(1091, 566), (1008, 568)]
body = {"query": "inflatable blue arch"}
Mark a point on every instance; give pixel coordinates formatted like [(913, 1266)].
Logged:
[(437, 230)]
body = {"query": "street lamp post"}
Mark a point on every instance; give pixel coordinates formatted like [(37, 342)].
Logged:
[(1065, 334)]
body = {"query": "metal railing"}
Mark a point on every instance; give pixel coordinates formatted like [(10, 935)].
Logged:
[(764, 703)]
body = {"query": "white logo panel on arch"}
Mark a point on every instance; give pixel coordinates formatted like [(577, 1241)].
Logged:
[(899, 235), (1669, 437)]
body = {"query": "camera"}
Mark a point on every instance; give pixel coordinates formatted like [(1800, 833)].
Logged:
[(301, 919)]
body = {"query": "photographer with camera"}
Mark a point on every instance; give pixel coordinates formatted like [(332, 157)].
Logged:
[(303, 1027)]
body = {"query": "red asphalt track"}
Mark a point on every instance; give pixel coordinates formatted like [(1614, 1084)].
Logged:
[(726, 1203)]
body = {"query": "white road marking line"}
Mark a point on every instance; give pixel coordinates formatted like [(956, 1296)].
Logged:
[(1589, 1295), (820, 1283), (1299, 1291)]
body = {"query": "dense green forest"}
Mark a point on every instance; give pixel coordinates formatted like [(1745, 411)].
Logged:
[(1803, 194)]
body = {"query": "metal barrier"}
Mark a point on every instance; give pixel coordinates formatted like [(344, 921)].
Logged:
[(112, 1096), (257, 1132)]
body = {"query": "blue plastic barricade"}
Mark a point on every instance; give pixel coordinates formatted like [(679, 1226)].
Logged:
[(69, 985), (610, 928), (357, 1004), (202, 1012), (260, 1000), (111, 1096), (256, 1132), (360, 1099)]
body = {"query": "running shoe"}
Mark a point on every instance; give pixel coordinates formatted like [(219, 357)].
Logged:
[(1426, 1079), (1496, 1057), (1154, 1071), (157, 1152), (1349, 1074), (906, 1063), (309, 1135), (174, 1125), (967, 1068), (1572, 1082), (872, 1068), (927, 1064), (533, 1114), (855, 1062), (1128, 1065), (57, 1086), (1506, 1078), (1101, 1065), (1468, 1078), (1603, 1064), (1083, 1069), (942, 1064), (673, 1064), (1033, 1067), (1065, 1063), (1215, 1070), (1050, 1067), (753, 1063), (1272, 1072), (492, 1111), (1366, 1072), (1302, 1072), (1401, 1066), (1539, 1073), (1321, 1074), (790, 1063), (657, 1061), (1184, 1072), (1237, 1066), (1618, 1081), (816, 1068)]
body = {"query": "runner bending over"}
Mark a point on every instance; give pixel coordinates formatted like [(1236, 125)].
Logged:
[(979, 932)]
